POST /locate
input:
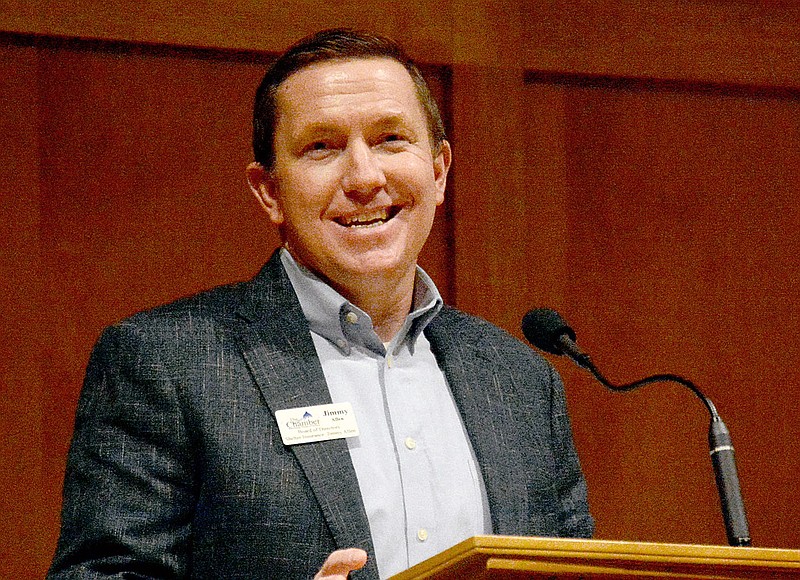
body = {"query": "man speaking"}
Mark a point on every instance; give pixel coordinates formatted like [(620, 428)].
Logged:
[(330, 415)]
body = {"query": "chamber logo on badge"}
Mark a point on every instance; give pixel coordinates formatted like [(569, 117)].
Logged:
[(318, 423)]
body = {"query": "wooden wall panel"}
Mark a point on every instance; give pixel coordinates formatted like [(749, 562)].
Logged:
[(510, 212), (663, 222), (423, 26), (683, 257), (124, 187), (143, 198), (742, 41), (729, 41), (26, 512)]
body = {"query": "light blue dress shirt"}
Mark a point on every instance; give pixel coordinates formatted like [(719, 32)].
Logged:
[(417, 473)]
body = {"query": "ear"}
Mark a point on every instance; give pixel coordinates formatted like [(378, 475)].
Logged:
[(265, 189), (441, 166)]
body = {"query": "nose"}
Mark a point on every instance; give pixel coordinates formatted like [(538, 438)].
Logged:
[(363, 175)]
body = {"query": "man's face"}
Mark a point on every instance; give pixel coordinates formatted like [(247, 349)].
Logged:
[(355, 184)]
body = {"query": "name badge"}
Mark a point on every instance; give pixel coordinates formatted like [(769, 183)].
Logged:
[(317, 423)]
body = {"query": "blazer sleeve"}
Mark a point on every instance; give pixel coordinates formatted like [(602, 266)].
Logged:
[(575, 520), (129, 488)]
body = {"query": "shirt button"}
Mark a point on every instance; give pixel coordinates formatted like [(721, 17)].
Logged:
[(422, 534), (411, 443), (351, 317), (389, 361)]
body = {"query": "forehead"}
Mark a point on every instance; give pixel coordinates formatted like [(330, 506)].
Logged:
[(349, 88)]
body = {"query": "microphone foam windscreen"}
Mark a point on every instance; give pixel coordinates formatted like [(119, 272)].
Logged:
[(543, 327)]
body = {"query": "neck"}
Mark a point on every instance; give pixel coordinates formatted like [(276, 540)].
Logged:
[(387, 296), (387, 301)]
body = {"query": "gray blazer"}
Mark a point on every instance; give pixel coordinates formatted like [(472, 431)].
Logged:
[(177, 469)]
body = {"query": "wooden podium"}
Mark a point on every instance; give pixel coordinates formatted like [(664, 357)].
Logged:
[(507, 557)]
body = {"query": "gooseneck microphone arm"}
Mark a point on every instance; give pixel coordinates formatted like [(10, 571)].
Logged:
[(546, 330), (571, 349)]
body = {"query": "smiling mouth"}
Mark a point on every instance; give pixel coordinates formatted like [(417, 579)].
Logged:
[(368, 219)]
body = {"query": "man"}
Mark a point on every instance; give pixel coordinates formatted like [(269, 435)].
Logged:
[(194, 453)]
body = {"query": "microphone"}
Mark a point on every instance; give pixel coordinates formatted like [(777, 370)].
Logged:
[(547, 331)]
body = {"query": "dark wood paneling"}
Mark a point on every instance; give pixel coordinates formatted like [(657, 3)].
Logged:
[(143, 197), (727, 41), (27, 513), (683, 256), (661, 219)]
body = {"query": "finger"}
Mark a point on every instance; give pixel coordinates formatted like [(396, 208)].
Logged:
[(340, 563)]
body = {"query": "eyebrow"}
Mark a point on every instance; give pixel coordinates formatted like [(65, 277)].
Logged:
[(393, 121), (328, 127)]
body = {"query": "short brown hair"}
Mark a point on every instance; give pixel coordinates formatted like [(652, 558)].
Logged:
[(333, 44)]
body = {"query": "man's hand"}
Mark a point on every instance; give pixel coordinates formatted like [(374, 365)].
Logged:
[(340, 563)]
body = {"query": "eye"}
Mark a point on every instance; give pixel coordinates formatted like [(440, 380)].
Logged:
[(317, 149), (393, 141)]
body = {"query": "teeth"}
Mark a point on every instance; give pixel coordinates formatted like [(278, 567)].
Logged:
[(368, 219)]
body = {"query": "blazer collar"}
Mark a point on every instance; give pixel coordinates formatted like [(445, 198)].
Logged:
[(277, 346), (475, 381)]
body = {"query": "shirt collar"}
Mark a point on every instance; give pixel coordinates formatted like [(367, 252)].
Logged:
[(344, 324)]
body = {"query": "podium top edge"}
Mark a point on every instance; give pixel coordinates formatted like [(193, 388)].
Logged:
[(519, 553), (624, 547)]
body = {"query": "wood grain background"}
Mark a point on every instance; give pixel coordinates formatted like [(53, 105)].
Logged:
[(633, 164)]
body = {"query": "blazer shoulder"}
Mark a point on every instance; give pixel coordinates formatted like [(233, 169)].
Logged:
[(170, 336), (220, 302), (491, 341), (217, 307), (199, 328)]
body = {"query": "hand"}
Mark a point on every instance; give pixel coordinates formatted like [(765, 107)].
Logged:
[(340, 563)]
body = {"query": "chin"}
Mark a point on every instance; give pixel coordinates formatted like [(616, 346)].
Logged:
[(378, 265)]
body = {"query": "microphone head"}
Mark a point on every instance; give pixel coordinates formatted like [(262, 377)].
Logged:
[(543, 327)]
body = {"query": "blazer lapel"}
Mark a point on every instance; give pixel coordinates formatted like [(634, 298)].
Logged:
[(488, 415), (276, 343)]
